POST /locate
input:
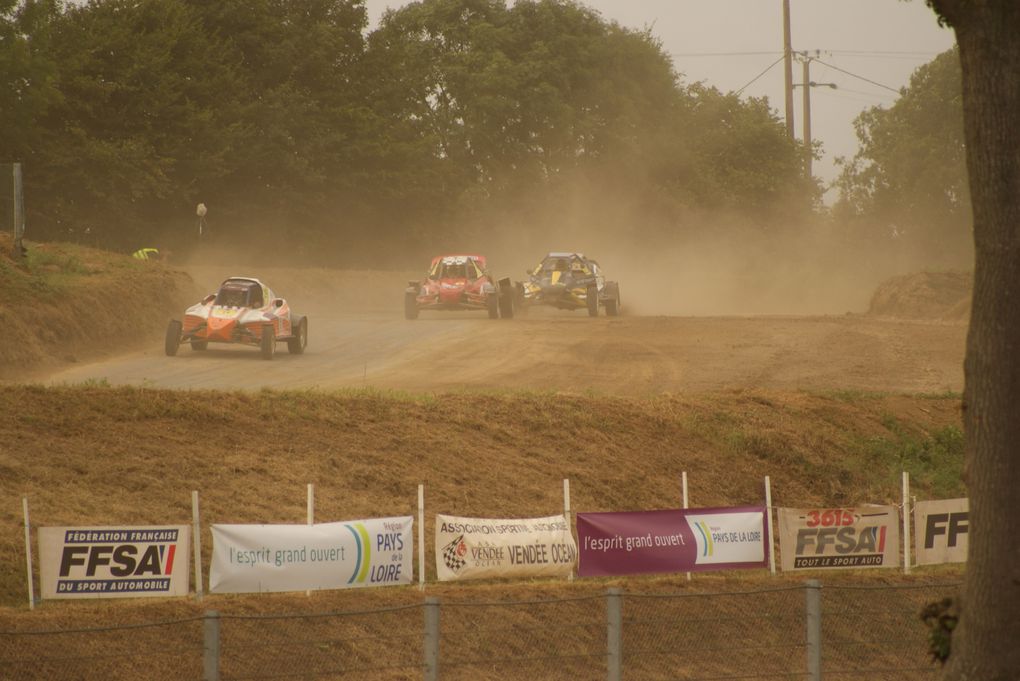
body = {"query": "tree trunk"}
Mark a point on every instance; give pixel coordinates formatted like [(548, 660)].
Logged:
[(986, 644)]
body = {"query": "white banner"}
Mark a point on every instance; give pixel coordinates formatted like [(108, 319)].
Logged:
[(827, 538), (114, 562), (941, 529), (340, 555), (727, 538), (475, 548)]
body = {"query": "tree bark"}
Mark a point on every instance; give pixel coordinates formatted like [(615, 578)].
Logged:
[(986, 644)]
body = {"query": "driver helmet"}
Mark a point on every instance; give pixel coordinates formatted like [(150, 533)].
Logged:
[(576, 266)]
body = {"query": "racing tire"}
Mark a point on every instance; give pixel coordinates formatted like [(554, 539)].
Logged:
[(410, 306), (267, 344), (592, 298), (299, 342), (198, 346), (173, 337), (506, 304), (613, 304), (493, 305), (519, 305)]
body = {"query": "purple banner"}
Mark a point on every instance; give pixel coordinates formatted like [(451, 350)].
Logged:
[(691, 540)]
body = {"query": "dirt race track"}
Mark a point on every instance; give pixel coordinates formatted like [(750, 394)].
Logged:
[(357, 343)]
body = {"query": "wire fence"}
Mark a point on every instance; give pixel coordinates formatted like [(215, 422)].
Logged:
[(804, 631)]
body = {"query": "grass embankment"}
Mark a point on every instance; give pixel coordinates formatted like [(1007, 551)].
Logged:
[(65, 302), (95, 455), (98, 455)]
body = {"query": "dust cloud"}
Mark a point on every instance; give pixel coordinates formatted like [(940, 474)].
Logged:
[(670, 263)]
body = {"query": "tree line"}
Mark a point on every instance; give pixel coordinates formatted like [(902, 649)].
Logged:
[(451, 121)]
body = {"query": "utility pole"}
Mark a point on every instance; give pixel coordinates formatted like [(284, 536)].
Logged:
[(806, 79), (807, 84), (788, 67)]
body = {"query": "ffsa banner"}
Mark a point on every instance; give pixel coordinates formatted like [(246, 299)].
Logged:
[(474, 548), (826, 538), (688, 540), (941, 529), (340, 555), (114, 562)]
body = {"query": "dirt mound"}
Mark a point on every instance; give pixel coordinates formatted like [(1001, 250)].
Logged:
[(941, 296), (63, 303)]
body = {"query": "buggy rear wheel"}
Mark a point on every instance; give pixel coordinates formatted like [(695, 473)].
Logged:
[(593, 301), (518, 305), (613, 301), (173, 337), (506, 304)]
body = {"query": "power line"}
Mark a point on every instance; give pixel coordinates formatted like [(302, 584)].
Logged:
[(882, 53), (760, 74), (854, 75), (723, 54), (867, 94)]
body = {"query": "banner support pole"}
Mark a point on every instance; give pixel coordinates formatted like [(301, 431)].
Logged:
[(768, 517), (28, 554), (310, 502), (197, 541), (683, 487), (566, 516), (906, 523), (421, 537)]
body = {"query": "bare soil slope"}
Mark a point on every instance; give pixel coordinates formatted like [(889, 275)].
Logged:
[(66, 303), (498, 413), (925, 295)]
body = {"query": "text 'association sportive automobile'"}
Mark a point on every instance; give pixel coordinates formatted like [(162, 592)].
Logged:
[(244, 311), (569, 281), (459, 282)]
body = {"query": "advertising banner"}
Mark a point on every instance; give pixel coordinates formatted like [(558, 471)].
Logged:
[(827, 538), (940, 534), (475, 548), (340, 555), (114, 562), (688, 540)]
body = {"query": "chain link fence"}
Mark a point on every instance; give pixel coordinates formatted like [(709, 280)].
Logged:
[(805, 631)]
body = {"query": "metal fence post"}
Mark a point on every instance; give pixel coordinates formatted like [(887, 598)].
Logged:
[(432, 639), (614, 634), (814, 629), (211, 649)]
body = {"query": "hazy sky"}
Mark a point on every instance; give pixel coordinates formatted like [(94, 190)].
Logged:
[(727, 43)]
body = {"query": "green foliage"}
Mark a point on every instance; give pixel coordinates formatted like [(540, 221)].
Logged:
[(41, 263), (908, 183), (934, 460), (287, 118), (28, 73), (941, 618)]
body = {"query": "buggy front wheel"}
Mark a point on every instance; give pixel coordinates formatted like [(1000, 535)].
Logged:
[(267, 344), (173, 337)]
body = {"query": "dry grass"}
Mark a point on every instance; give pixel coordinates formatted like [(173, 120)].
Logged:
[(97, 455), (64, 303)]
